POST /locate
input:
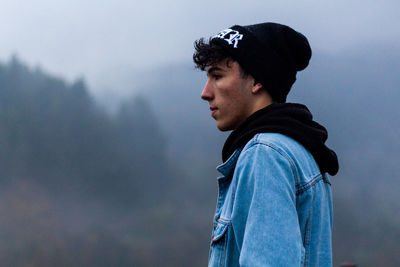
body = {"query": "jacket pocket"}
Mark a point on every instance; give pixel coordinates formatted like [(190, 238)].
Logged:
[(219, 231), (218, 244)]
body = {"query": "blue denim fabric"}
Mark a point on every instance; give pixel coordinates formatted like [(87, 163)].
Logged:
[(274, 207)]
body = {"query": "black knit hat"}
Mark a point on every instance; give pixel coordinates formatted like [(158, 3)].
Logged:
[(272, 53)]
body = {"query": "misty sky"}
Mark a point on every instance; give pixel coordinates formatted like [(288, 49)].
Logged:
[(112, 42)]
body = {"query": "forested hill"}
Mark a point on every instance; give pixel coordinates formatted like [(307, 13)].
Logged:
[(79, 187), (53, 134)]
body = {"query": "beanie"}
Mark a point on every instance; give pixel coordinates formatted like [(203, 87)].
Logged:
[(272, 53)]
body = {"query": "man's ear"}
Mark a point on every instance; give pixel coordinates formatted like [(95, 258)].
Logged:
[(256, 87)]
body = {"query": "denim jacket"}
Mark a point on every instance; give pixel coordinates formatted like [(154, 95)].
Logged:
[(274, 207)]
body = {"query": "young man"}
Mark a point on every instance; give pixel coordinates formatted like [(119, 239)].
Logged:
[(274, 205)]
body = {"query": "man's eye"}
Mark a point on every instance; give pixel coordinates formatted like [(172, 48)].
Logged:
[(216, 77)]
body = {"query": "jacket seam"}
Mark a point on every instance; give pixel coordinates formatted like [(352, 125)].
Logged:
[(224, 221), (308, 232), (302, 188), (282, 153)]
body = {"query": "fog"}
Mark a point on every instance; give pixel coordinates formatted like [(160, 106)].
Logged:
[(108, 153)]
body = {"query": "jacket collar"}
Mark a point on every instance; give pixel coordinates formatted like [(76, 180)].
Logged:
[(290, 119), (227, 168)]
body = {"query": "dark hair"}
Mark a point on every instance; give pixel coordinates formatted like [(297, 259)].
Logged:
[(208, 53)]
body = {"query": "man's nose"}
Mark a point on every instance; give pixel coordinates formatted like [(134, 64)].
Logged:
[(206, 94)]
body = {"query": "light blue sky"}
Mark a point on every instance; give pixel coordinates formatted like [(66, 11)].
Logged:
[(111, 42)]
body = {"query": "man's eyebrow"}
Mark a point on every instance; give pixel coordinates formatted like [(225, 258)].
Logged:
[(212, 69)]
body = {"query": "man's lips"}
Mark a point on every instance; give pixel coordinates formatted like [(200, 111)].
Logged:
[(213, 110)]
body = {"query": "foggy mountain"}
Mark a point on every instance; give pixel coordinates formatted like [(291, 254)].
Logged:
[(83, 187), (80, 187)]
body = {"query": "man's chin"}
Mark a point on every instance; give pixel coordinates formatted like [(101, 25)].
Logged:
[(224, 128)]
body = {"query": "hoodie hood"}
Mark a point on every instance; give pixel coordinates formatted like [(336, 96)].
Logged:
[(292, 120)]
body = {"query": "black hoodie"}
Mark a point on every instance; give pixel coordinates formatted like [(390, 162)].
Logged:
[(292, 120)]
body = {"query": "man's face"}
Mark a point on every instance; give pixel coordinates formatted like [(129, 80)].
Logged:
[(229, 94)]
